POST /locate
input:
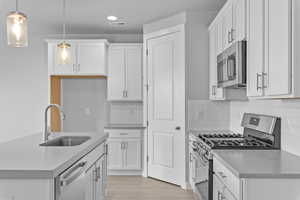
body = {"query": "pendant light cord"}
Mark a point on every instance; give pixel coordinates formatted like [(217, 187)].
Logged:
[(65, 20), (17, 5)]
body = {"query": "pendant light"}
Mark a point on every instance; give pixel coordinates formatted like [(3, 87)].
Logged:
[(16, 24), (64, 48)]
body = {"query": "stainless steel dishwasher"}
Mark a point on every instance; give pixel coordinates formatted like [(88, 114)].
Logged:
[(70, 185)]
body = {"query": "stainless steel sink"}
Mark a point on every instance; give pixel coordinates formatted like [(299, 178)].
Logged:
[(66, 141)]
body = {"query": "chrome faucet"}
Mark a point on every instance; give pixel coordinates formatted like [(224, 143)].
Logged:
[(62, 117)]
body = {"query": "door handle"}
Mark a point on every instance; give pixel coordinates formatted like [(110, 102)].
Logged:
[(264, 78), (74, 69), (229, 37), (232, 35), (257, 81), (178, 128)]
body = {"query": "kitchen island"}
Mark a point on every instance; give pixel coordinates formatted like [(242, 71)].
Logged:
[(30, 171)]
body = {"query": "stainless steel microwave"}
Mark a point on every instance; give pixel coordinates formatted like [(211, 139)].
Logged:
[(231, 66)]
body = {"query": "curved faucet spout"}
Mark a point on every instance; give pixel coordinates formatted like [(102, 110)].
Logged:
[(62, 117)]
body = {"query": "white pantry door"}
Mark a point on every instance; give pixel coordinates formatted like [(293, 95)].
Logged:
[(166, 108)]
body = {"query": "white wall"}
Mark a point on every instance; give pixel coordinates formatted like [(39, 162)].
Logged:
[(288, 110), (24, 83), (23, 87)]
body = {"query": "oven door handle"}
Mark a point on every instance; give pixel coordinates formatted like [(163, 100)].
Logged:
[(72, 174), (200, 158)]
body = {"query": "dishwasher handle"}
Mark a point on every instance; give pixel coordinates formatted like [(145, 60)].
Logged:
[(72, 174)]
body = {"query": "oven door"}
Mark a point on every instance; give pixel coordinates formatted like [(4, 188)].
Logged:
[(200, 175)]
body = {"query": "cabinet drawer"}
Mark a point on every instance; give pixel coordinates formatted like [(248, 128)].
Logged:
[(227, 178), (124, 133)]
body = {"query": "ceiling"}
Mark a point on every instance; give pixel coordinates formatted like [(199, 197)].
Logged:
[(89, 16)]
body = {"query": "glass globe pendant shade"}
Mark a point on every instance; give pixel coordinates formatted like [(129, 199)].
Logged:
[(17, 35), (64, 53)]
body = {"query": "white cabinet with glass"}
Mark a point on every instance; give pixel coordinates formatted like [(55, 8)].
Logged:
[(87, 57), (125, 72)]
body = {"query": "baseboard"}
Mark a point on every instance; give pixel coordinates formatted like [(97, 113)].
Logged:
[(125, 173)]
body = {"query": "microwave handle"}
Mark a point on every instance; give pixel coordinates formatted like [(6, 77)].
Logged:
[(228, 68)]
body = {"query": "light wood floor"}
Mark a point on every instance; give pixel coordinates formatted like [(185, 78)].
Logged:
[(139, 188)]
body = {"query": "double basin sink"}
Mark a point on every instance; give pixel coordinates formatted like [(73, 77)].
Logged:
[(66, 141)]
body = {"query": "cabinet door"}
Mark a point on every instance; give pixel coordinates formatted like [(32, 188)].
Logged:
[(212, 63), (91, 58), (220, 37), (115, 154), (255, 48), (99, 181), (61, 69), (133, 73), (239, 20), (104, 174), (218, 188), (116, 74), (215, 92), (90, 177), (132, 159), (278, 51), (227, 24)]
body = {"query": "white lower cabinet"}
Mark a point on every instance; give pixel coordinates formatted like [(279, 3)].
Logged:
[(228, 186), (96, 181), (124, 150)]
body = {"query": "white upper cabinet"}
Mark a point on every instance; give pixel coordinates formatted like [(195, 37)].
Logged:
[(125, 72), (228, 24), (215, 93), (278, 48), (239, 20), (88, 57), (255, 61), (231, 24), (270, 49), (92, 58)]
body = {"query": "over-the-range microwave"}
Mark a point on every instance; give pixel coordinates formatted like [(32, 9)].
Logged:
[(231, 66)]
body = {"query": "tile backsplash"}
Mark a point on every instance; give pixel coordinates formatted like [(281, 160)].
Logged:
[(208, 115), (288, 110), (125, 113)]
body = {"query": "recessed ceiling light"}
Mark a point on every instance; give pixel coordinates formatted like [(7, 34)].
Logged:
[(112, 18)]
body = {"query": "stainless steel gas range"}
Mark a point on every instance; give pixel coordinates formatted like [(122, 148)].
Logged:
[(261, 132)]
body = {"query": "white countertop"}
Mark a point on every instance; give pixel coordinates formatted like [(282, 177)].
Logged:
[(124, 126), (23, 158), (260, 163)]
